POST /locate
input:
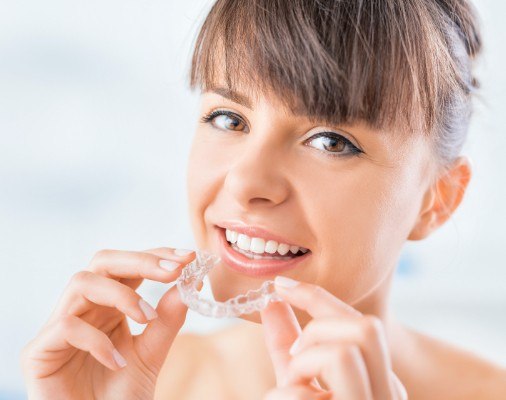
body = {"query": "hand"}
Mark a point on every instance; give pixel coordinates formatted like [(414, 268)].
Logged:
[(76, 353), (343, 348)]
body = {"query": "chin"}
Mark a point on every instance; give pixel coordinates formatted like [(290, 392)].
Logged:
[(226, 283)]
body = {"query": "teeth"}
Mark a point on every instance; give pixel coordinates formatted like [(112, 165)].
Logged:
[(271, 246), (231, 236), (294, 249), (256, 256), (257, 245), (283, 248), (243, 242), (260, 246)]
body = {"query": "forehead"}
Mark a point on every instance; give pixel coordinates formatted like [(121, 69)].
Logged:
[(307, 55)]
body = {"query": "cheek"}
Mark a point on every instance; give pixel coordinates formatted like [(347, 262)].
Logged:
[(200, 180), (362, 221), (206, 170)]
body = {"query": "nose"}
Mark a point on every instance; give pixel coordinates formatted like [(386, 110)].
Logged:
[(257, 176)]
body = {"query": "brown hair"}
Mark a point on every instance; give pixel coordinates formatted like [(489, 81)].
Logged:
[(384, 62)]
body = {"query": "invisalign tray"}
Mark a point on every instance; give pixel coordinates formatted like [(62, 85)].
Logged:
[(194, 273)]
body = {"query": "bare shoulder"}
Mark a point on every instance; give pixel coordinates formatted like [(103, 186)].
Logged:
[(189, 371), (458, 373)]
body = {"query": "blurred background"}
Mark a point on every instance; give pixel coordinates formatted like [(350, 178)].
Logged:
[(96, 123)]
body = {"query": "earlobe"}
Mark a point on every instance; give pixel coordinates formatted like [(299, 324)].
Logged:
[(442, 198)]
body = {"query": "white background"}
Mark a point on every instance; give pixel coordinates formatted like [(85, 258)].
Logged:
[(96, 122)]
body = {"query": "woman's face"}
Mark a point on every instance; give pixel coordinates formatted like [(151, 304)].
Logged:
[(264, 166)]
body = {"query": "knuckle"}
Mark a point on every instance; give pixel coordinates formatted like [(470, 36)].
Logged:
[(145, 260), (102, 253), (346, 354), (79, 277), (130, 296), (310, 327), (372, 326), (66, 323), (102, 341), (122, 296)]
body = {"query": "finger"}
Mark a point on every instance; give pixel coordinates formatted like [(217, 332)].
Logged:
[(137, 265), (281, 329), (400, 389), (165, 253), (340, 366), (313, 299), (367, 333), (154, 343), (66, 333), (87, 290), (319, 303), (296, 392)]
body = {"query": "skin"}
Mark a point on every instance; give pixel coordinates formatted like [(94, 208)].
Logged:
[(72, 355), (253, 166), (350, 345)]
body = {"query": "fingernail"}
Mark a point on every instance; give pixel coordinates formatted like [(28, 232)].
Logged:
[(148, 311), (169, 265), (182, 252), (295, 347), (118, 358), (283, 281)]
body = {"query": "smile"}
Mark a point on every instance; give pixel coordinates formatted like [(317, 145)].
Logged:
[(258, 257), (258, 248)]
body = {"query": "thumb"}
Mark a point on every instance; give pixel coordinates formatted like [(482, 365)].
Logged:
[(154, 342), (281, 329)]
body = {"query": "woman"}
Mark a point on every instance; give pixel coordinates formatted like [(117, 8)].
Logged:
[(330, 134)]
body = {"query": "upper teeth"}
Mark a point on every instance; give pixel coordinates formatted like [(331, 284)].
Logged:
[(259, 245)]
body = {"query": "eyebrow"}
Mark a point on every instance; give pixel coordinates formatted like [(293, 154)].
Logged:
[(230, 94)]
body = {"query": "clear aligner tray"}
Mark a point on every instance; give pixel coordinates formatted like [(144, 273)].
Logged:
[(194, 273)]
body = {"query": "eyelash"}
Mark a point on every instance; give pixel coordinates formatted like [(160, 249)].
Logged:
[(354, 150)]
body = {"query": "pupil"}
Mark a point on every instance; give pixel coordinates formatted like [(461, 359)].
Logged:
[(335, 142), (233, 123)]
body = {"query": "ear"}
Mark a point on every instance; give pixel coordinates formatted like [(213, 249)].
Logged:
[(442, 198)]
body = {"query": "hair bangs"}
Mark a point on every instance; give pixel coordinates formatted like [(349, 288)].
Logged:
[(338, 62)]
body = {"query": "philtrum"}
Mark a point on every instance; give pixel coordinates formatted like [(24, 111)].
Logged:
[(194, 273)]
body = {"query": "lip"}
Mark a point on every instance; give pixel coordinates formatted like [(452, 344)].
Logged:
[(255, 231), (256, 268)]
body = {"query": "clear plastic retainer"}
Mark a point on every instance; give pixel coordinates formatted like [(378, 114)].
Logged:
[(194, 273)]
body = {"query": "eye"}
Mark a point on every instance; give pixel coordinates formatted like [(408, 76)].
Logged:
[(225, 120), (334, 144)]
